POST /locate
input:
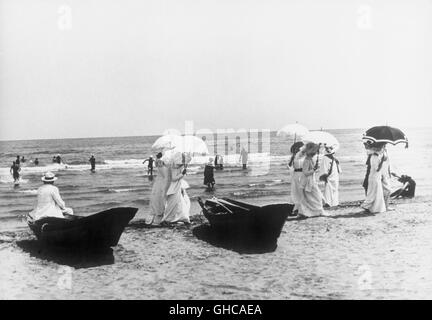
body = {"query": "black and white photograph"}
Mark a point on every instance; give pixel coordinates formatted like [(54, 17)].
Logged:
[(215, 150)]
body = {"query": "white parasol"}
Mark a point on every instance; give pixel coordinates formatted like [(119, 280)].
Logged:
[(322, 137), (181, 149), (293, 131), (166, 142)]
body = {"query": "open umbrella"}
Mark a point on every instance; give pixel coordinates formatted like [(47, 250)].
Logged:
[(385, 134), (293, 131), (193, 145), (322, 137), (183, 148), (176, 157), (166, 142)]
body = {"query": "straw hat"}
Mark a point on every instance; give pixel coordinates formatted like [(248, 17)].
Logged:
[(49, 177)]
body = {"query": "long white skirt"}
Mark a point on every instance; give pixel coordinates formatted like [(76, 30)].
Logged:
[(296, 190), (158, 201), (177, 207), (311, 202), (331, 192), (374, 201)]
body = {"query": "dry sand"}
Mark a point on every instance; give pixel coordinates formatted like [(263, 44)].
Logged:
[(346, 255)]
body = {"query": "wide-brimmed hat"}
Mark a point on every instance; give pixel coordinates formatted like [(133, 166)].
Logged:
[(49, 177), (311, 147), (296, 146)]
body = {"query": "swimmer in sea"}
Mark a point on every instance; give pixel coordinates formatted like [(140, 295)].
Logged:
[(15, 170), (150, 161), (92, 161)]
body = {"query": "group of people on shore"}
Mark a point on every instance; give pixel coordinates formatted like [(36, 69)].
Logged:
[(170, 203), (308, 171)]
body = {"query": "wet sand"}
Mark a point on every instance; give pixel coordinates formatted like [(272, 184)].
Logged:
[(346, 255)]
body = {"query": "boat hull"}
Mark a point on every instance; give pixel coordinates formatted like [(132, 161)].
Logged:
[(259, 226), (101, 229)]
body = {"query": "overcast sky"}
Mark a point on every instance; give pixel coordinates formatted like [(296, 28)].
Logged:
[(88, 68)]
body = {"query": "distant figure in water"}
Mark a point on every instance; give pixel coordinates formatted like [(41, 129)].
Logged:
[(92, 161), (218, 162), (58, 159), (158, 196), (373, 183), (54, 159), (329, 174), (296, 163), (311, 201), (408, 188), (15, 170), (150, 161), (244, 158), (209, 180), (36, 162), (49, 202), (18, 161)]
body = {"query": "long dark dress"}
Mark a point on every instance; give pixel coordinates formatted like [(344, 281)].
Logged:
[(209, 174)]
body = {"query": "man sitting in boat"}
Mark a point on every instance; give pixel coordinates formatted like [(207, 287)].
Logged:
[(49, 204)]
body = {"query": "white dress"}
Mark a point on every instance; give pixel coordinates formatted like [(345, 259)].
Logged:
[(296, 191), (158, 196), (311, 202), (374, 201), (49, 203), (178, 203), (331, 187), (385, 179)]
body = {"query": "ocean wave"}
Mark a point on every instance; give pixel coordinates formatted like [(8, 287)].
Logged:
[(30, 191), (122, 190), (258, 193), (9, 179), (268, 184)]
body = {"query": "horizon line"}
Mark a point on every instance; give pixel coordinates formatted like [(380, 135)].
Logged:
[(154, 135)]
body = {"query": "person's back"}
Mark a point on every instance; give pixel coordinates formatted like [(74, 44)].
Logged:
[(48, 202)]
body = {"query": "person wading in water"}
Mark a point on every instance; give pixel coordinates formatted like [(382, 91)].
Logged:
[(92, 161), (15, 170)]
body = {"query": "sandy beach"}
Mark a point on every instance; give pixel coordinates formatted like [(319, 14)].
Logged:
[(345, 255)]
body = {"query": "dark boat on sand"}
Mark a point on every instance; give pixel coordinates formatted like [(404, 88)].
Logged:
[(246, 223), (102, 229)]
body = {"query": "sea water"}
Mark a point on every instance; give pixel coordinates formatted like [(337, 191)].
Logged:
[(121, 177)]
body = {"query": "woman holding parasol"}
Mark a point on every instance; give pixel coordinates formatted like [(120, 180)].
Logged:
[(311, 200), (377, 179), (178, 203)]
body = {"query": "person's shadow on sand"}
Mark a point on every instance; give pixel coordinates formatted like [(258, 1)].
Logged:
[(73, 257), (235, 243)]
